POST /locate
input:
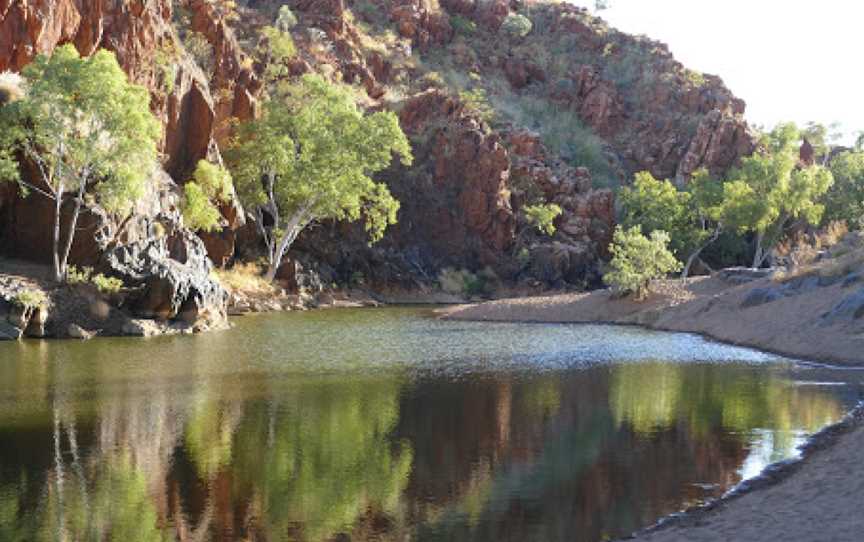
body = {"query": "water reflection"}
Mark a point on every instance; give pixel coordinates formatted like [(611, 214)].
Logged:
[(106, 446)]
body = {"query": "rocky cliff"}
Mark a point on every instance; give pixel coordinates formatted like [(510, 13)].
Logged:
[(497, 119)]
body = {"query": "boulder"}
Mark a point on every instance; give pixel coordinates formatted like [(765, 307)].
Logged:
[(171, 277), (74, 331), (761, 296), (849, 309)]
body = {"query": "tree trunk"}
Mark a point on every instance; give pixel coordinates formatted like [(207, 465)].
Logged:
[(58, 205), (695, 255), (758, 255), (73, 227), (292, 230)]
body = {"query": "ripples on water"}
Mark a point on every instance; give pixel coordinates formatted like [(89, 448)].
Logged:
[(387, 424)]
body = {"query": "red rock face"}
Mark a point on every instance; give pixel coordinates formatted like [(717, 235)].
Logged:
[(417, 23), (719, 141), (466, 195)]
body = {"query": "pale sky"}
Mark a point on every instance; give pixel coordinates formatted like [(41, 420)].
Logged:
[(788, 59)]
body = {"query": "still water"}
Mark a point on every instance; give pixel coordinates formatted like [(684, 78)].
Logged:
[(387, 424)]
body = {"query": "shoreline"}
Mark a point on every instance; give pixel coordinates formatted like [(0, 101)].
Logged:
[(794, 326), (815, 496)]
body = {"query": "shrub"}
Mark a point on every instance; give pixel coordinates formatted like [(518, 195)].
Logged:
[(462, 25), (77, 275), (84, 275), (637, 260), (107, 285), (286, 20), (516, 25), (476, 102), (464, 282), (30, 299), (543, 216)]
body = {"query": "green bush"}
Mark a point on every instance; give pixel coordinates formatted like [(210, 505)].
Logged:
[(286, 20), (84, 275), (462, 25), (637, 260), (464, 282), (77, 275), (30, 299), (107, 285), (477, 102), (543, 216), (516, 25)]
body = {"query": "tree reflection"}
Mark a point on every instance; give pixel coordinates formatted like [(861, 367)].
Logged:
[(587, 454)]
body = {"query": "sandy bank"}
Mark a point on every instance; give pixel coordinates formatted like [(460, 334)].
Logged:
[(796, 320)]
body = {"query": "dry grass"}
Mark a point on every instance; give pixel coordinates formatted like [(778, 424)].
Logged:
[(246, 278)]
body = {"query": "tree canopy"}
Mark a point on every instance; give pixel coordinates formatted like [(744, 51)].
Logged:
[(637, 260), (688, 216), (845, 200), (768, 190), (88, 131), (310, 157)]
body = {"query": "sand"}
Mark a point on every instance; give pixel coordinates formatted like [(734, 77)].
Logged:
[(819, 499), (792, 326)]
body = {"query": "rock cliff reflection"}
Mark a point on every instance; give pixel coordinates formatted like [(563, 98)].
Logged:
[(98, 443)]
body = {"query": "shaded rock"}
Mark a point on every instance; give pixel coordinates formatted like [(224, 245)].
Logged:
[(853, 278), (141, 328), (742, 275), (8, 332), (849, 309), (74, 331), (761, 296), (172, 279)]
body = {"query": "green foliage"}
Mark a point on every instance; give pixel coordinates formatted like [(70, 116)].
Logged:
[(30, 299), (87, 130), (107, 285), (563, 133), (543, 216), (464, 282), (697, 79), (463, 26), (767, 190), (84, 275), (199, 213), (821, 137), (310, 156), (274, 51), (516, 25), (477, 102), (76, 275), (197, 45), (637, 260), (658, 205), (285, 20), (845, 200), (210, 186)]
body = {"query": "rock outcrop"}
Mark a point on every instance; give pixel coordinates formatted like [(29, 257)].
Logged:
[(626, 96)]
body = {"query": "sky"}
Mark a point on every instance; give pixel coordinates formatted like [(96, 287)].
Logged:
[(788, 59)]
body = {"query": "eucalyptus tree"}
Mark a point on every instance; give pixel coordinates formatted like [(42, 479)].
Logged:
[(88, 132), (310, 157), (768, 192), (691, 217)]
